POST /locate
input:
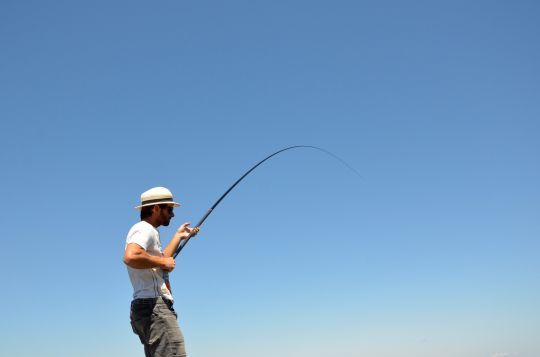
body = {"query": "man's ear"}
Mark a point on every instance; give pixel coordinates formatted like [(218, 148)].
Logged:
[(156, 209)]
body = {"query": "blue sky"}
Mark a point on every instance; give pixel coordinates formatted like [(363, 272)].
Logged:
[(433, 252)]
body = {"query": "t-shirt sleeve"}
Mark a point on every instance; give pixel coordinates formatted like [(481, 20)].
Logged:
[(141, 238)]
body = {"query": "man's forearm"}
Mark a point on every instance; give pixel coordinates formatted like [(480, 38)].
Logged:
[(172, 246), (143, 260)]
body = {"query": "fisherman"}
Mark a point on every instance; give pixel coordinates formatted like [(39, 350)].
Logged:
[(152, 314)]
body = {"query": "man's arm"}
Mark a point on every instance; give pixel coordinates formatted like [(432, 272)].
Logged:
[(136, 257)]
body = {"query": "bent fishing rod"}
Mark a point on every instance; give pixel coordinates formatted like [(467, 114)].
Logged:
[(211, 209)]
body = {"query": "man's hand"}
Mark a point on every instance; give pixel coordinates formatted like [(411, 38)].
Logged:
[(167, 264), (184, 231)]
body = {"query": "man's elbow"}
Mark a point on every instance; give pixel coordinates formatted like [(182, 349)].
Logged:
[(129, 259)]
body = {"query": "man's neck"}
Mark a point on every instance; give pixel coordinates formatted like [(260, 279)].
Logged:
[(151, 221)]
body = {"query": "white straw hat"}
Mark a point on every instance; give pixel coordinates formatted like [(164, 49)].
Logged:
[(156, 196)]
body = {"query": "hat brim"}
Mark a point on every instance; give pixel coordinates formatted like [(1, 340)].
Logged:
[(171, 203)]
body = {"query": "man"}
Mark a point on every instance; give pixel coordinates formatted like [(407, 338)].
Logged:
[(153, 318)]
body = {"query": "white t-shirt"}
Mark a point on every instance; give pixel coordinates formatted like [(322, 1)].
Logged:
[(147, 283)]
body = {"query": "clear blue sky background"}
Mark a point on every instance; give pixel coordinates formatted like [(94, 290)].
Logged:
[(434, 252)]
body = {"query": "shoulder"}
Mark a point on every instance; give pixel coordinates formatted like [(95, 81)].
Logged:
[(143, 227), (142, 230)]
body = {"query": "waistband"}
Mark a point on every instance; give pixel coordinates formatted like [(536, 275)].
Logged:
[(152, 301)]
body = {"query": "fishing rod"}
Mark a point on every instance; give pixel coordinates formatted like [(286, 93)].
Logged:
[(211, 209)]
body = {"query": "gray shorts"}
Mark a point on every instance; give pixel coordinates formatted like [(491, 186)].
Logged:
[(154, 321)]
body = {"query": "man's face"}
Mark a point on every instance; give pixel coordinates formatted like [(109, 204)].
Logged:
[(165, 215)]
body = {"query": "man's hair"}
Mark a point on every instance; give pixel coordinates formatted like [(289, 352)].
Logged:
[(146, 211)]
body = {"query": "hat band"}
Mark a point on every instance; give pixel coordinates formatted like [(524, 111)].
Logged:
[(157, 200)]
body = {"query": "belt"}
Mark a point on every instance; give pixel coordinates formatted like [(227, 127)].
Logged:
[(152, 301)]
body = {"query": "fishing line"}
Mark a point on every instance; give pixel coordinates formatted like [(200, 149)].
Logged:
[(211, 209)]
